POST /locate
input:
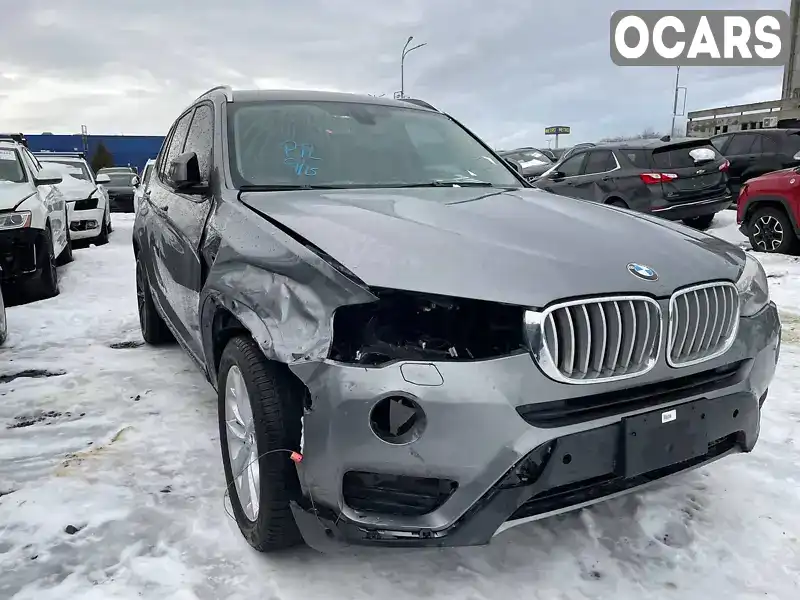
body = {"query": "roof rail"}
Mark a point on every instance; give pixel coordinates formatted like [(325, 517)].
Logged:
[(419, 103), (225, 88)]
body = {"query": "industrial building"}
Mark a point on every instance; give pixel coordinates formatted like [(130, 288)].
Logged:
[(759, 115), (133, 150)]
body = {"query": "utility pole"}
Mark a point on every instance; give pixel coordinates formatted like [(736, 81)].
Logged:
[(406, 50)]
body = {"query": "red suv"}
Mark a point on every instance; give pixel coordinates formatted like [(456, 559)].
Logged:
[(768, 211)]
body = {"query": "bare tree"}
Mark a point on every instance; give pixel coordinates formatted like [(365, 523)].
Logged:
[(648, 133)]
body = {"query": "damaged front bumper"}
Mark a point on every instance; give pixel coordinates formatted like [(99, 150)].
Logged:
[(496, 443)]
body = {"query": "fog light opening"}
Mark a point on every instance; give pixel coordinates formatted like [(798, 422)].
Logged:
[(397, 420)]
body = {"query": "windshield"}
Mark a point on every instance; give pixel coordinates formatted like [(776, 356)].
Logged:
[(10, 167), (75, 168), (347, 144)]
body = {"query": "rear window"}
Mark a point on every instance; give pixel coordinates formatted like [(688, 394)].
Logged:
[(684, 156)]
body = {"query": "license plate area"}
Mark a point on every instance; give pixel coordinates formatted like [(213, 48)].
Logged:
[(661, 438)]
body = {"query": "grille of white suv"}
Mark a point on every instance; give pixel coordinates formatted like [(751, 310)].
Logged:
[(597, 339), (703, 321)]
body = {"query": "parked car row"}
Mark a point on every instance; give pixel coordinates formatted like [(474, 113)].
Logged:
[(368, 293), (46, 201)]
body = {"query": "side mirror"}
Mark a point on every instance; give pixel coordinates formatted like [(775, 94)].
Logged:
[(514, 165), (135, 181), (556, 175), (184, 173), (48, 176), (103, 178)]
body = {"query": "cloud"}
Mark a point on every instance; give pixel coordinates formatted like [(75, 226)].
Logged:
[(506, 69)]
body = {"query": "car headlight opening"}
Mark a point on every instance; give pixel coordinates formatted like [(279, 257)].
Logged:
[(753, 288)]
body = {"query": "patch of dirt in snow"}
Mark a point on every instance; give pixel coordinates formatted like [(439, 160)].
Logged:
[(127, 501)]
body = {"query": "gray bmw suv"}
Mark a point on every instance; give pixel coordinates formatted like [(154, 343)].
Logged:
[(410, 346)]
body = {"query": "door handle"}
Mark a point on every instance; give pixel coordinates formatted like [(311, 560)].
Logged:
[(165, 208), (606, 178)]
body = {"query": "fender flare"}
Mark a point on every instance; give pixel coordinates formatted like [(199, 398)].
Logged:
[(756, 202)]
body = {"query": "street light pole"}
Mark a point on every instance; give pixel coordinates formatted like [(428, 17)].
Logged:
[(406, 50), (675, 102)]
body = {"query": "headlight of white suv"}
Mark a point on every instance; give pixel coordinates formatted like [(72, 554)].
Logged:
[(15, 220), (753, 287)]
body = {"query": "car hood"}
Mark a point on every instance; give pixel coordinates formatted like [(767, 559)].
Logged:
[(12, 194), (523, 247), (75, 189), (774, 175)]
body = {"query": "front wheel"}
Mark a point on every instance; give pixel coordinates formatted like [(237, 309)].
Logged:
[(45, 283), (771, 231), (66, 256), (260, 410), (102, 238), (702, 222)]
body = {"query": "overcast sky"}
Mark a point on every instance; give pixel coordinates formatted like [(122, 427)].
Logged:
[(505, 68)]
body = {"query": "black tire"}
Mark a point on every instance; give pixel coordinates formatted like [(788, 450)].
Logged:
[(66, 254), (154, 331), (3, 322), (617, 202), (702, 222), (276, 400), (772, 220), (110, 225), (102, 239), (45, 284)]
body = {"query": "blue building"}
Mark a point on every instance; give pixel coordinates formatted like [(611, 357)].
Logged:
[(133, 150)]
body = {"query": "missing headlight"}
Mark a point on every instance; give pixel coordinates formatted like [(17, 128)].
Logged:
[(413, 326)]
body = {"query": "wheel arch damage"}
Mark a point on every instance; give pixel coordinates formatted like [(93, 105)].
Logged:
[(282, 292)]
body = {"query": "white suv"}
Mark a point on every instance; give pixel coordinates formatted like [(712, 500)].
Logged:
[(34, 237), (87, 200)]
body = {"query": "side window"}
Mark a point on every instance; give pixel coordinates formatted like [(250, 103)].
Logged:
[(201, 137), (572, 166), (768, 145), (599, 161), (758, 146), (29, 161), (741, 144), (719, 142), (175, 144), (638, 158)]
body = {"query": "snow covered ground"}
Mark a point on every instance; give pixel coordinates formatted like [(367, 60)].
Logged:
[(120, 444)]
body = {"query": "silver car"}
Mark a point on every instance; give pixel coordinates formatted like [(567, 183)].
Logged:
[(412, 347)]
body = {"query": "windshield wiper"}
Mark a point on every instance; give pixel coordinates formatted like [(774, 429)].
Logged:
[(287, 187), (449, 183)]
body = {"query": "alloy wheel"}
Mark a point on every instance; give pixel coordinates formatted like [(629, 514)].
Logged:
[(242, 444), (768, 233)]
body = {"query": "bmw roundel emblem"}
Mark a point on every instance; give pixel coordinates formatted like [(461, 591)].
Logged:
[(642, 271)]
